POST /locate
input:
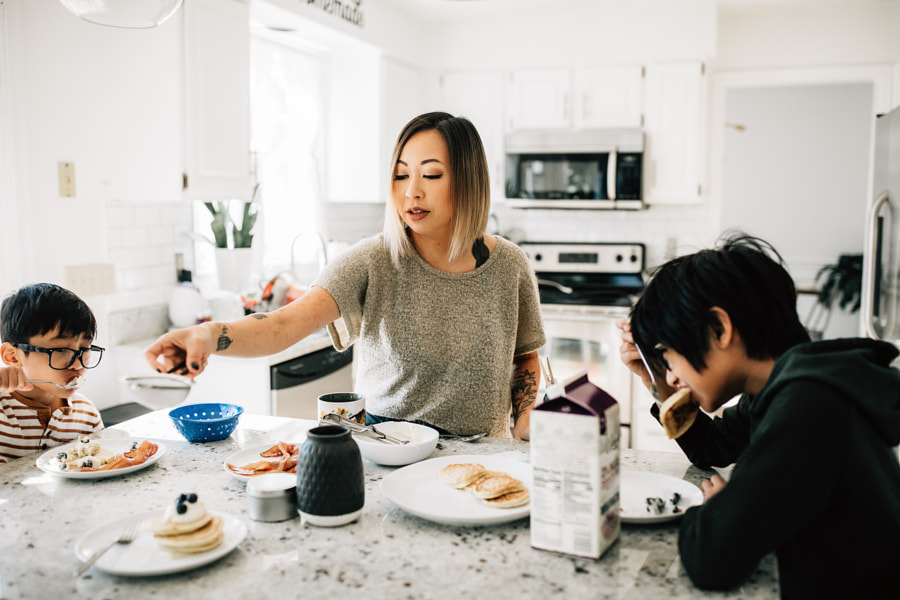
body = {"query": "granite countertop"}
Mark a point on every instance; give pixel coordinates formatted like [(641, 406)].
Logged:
[(387, 553)]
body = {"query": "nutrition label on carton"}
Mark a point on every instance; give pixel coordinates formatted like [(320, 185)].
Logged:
[(570, 458)]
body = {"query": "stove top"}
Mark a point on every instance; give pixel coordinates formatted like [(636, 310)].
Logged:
[(587, 274)]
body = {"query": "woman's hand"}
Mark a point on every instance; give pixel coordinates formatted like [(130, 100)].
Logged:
[(711, 487), (184, 351)]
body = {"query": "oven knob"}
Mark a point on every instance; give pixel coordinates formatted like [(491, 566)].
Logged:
[(634, 258), (538, 258), (619, 258)]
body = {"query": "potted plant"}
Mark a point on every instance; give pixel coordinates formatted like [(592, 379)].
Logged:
[(841, 285), (234, 239)]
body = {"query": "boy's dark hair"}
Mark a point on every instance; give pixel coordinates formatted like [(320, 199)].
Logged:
[(742, 275), (40, 308)]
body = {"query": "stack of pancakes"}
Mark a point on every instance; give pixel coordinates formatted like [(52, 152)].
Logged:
[(202, 532), (495, 488)]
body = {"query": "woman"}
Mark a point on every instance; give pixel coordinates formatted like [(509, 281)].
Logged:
[(446, 318)]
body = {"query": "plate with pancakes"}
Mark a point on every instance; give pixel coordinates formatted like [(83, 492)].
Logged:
[(146, 556), (113, 457), (481, 489)]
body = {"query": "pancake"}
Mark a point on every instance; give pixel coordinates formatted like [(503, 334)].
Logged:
[(200, 540), (492, 487), (678, 413), (165, 527), (470, 487), (510, 500), (187, 527), (461, 475)]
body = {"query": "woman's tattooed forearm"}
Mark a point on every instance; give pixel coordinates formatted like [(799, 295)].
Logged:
[(524, 392), (224, 341)]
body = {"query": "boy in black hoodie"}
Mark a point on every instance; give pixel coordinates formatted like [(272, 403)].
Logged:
[(816, 479)]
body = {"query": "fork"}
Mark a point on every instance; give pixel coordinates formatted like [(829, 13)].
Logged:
[(127, 536), (68, 386), (650, 371)]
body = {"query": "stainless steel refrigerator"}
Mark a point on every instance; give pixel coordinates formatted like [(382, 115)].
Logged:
[(881, 259)]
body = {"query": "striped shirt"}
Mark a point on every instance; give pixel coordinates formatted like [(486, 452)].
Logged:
[(22, 429)]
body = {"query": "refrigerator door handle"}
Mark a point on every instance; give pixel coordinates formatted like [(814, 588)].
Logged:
[(611, 172), (873, 266)]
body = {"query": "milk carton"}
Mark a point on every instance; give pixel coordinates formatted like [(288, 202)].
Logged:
[(575, 462)]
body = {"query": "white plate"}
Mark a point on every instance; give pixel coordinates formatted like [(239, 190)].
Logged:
[(245, 457), (115, 445), (637, 486), (417, 490), (143, 556)]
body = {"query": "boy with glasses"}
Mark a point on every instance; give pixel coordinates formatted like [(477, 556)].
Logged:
[(47, 334)]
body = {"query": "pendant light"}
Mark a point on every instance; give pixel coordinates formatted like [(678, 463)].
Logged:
[(127, 14)]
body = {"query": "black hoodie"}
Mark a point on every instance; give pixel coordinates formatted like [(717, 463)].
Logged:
[(816, 481)]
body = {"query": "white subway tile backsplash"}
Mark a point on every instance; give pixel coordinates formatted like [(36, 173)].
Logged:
[(143, 239)]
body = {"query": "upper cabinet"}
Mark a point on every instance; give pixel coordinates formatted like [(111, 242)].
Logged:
[(478, 96), (400, 93), (217, 96), (609, 96), (673, 105)]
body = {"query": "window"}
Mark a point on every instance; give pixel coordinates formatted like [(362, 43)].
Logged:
[(287, 120)]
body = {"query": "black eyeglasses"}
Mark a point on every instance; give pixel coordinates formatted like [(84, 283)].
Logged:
[(63, 358)]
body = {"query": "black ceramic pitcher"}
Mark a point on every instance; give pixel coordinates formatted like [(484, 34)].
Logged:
[(330, 485)]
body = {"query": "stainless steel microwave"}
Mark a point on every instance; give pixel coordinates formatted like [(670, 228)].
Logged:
[(590, 169)]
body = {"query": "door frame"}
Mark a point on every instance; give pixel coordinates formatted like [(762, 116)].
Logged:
[(880, 76)]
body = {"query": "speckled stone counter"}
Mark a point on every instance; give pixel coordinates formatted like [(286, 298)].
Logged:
[(385, 554)]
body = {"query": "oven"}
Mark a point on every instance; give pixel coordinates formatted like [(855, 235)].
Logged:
[(584, 290)]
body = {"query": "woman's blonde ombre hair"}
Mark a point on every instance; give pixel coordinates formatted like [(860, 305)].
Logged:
[(470, 192)]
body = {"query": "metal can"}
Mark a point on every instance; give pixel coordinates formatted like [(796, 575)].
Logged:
[(272, 497)]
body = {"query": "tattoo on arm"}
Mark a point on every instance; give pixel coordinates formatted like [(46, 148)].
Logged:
[(524, 392), (259, 316), (224, 341)]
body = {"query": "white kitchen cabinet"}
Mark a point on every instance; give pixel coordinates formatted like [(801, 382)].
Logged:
[(584, 98), (400, 94), (674, 95), (217, 99), (540, 99), (609, 97), (478, 96)]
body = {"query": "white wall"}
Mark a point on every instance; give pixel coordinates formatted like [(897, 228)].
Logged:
[(110, 101)]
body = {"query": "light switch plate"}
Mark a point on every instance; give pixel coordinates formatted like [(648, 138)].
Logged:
[(66, 180)]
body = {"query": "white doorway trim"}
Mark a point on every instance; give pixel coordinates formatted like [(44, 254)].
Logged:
[(880, 76)]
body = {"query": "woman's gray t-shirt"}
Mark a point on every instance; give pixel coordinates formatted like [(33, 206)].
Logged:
[(433, 346)]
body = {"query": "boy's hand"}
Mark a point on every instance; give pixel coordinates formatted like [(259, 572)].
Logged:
[(13, 378), (629, 355), (712, 486)]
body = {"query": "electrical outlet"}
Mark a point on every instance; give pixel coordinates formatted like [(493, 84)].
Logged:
[(91, 280), (66, 180)]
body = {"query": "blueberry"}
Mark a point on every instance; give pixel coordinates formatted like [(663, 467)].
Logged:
[(181, 498), (192, 498), (62, 456), (181, 508)]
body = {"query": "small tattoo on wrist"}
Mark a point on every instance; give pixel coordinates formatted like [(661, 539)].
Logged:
[(224, 341)]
